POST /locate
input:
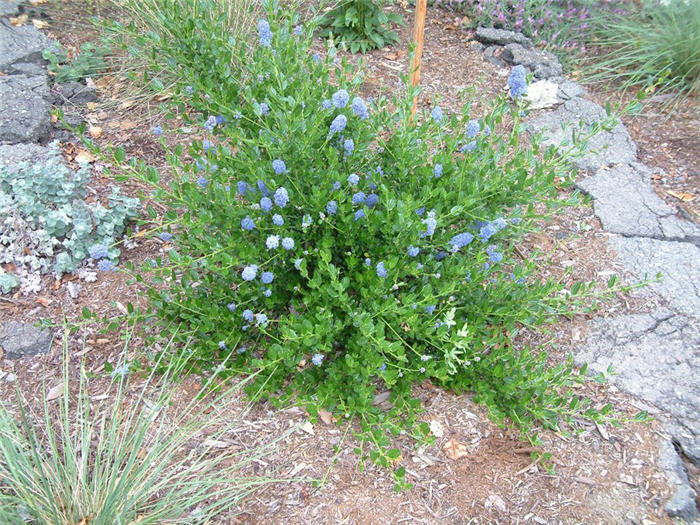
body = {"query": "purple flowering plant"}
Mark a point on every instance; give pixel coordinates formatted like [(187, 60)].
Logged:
[(443, 278)]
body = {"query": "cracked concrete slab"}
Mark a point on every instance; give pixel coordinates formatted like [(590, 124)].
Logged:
[(8, 7), (678, 262), (605, 148), (655, 357), (625, 203)]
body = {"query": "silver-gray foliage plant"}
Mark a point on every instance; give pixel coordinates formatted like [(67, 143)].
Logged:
[(47, 224)]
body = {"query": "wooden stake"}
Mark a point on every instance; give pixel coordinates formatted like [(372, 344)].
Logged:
[(418, 34)]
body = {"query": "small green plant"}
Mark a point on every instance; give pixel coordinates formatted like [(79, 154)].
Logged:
[(133, 459), (361, 24), (88, 63), (48, 223), (657, 43)]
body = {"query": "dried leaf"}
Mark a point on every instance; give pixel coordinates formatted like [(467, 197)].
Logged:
[(215, 443), (681, 195), (84, 156), (436, 428), (102, 341), (127, 124), (37, 2), (95, 132), (40, 24), (454, 449), (92, 106), (325, 416), (55, 392), (44, 301), (18, 20), (308, 428)]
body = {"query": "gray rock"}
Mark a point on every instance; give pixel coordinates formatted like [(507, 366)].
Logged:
[(23, 340), (24, 109), (679, 263), (501, 37), (13, 154), (491, 57), (542, 63), (8, 7), (605, 148), (27, 68), (74, 92), (682, 502), (626, 203), (569, 89), (21, 44)]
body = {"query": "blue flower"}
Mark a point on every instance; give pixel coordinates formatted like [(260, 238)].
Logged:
[(98, 251), (277, 219), (220, 119), (242, 349), (297, 263), (266, 204), (317, 359), (105, 265), (499, 223), (379, 171), (461, 240), (353, 179), (231, 307), (249, 272), (279, 166), (420, 211), (358, 198), (281, 197), (516, 220), (248, 315), (267, 292), (267, 277), (210, 123), (264, 109), (207, 145), (473, 128), (487, 130), (263, 188), (372, 200), (382, 368), (436, 114), (306, 221), (242, 187), (338, 124), (237, 115), (247, 223), (517, 81), (316, 57), (222, 345), (202, 181), (189, 90), (468, 147), (360, 108), (165, 236), (288, 243), (430, 309), (495, 257), (413, 251), (297, 30), (336, 185), (264, 33), (487, 231), (437, 171), (272, 242), (340, 98), (439, 256), (359, 214), (331, 207), (349, 146), (368, 261), (381, 270), (327, 104), (157, 131), (430, 225)]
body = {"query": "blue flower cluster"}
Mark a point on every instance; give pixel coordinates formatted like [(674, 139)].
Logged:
[(264, 33), (517, 81)]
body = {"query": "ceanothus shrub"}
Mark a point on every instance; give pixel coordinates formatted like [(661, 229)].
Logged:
[(339, 250)]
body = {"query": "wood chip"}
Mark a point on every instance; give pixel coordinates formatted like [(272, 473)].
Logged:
[(455, 450), (325, 416), (55, 392)]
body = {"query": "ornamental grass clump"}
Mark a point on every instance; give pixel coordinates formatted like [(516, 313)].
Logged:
[(335, 273)]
